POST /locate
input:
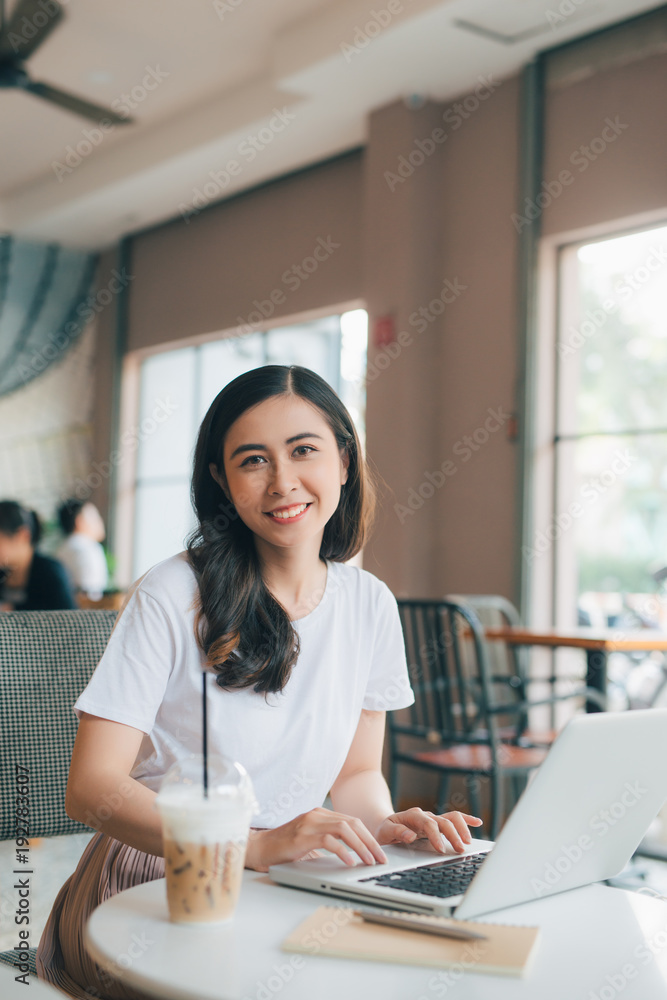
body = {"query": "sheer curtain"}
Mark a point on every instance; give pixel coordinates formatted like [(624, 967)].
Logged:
[(45, 302)]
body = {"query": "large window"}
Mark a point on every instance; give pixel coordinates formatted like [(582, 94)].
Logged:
[(610, 498), (175, 389)]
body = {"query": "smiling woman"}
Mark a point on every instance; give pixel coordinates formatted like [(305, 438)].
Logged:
[(307, 653), (279, 447)]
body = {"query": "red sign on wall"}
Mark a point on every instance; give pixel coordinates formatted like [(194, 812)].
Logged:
[(384, 331)]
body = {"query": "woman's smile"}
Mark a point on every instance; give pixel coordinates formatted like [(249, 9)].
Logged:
[(294, 512)]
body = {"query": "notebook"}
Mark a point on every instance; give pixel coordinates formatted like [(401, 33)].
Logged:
[(340, 933), (579, 821)]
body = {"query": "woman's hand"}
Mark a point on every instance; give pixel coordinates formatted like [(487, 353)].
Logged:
[(345, 836), (412, 824)]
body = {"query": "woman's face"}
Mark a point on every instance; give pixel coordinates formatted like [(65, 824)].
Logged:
[(283, 470)]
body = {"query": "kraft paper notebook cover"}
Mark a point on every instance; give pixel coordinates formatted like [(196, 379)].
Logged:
[(340, 933)]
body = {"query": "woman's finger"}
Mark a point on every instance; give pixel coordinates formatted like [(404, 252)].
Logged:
[(453, 835), (345, 843), (392, 832), (453, 827), (458, 822), (437, 827), (337, 847), (427, 826), (347, 835), (357, 836), (405, 834), (311, 856), (417, 823), (320, 824), (461, 822)]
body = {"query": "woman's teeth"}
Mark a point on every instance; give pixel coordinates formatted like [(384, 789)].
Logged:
[(291, 512)]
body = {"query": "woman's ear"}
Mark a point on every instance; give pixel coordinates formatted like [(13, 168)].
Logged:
[(220, 480)]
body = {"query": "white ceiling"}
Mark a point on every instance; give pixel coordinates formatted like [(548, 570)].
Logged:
[(227, 65)]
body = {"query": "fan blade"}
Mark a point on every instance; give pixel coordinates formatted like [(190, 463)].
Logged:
[(70, 102), (30, 24)]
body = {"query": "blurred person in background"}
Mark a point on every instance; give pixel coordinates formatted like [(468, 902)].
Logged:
[(81, 553), (29, 581)]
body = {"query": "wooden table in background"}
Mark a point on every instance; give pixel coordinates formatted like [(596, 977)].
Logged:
[(597, 643)]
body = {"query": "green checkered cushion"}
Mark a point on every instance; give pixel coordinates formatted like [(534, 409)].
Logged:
[(9, 958), (46, 660)]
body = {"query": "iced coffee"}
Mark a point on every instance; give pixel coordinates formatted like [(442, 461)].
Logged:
[(204, 839), (203, 880)]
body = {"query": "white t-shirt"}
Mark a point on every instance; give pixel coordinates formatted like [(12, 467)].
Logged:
[(294, 743), (84, 560)]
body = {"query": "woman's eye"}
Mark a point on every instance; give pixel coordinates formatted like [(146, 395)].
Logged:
[(303, 449), (253, 460)]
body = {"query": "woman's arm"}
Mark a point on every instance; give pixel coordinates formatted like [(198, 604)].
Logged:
[(361, 790), (100, 791), (366, 818), (101, 794)]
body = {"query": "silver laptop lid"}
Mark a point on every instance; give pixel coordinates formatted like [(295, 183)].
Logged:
[(584, 813)]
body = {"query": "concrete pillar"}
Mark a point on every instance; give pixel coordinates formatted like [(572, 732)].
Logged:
[(402, 251)]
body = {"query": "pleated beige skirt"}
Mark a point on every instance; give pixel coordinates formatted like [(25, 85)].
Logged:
[(106, 867)]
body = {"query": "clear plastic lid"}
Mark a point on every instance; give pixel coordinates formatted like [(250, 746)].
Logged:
[(228, 783)]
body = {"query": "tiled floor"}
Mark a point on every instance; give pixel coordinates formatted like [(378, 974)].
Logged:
[(54, 860), (51, 862)]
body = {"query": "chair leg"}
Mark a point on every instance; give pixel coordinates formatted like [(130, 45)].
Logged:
[(516, 790), (472, 787), (496, 803), (521, 783), (443, 794), (393, 780)]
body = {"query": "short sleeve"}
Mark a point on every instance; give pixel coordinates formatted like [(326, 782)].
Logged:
[(388, 682), (130, 680)]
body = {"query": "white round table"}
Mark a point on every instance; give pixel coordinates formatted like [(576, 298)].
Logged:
[(588, 938)]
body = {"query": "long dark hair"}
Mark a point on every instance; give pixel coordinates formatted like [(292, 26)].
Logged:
[(245, 633)]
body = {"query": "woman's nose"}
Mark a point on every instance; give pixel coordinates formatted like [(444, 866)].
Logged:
[(283, 479)]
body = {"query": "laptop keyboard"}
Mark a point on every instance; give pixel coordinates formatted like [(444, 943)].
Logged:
[(444, 878)]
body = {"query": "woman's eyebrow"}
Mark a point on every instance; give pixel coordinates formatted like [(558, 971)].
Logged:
[(262, 447)]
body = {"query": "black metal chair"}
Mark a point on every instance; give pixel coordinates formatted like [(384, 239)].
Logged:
[(508, 664), (453, 726), (510, 674)]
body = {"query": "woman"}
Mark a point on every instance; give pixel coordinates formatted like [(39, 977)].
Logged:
[(29, 581), (307, 653)]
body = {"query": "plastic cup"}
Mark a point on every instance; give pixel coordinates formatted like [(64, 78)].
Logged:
[(205, 837)]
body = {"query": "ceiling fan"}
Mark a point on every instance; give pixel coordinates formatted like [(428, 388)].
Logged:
[(29, 25)]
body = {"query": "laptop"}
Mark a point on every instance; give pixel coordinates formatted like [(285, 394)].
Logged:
[(578, 821)]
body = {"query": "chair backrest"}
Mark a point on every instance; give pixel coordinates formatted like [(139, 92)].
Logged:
[(46, 660), (449, 674), (508, 664), (491, 609)]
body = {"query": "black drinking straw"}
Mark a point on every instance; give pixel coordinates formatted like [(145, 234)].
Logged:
[(204, 732)]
